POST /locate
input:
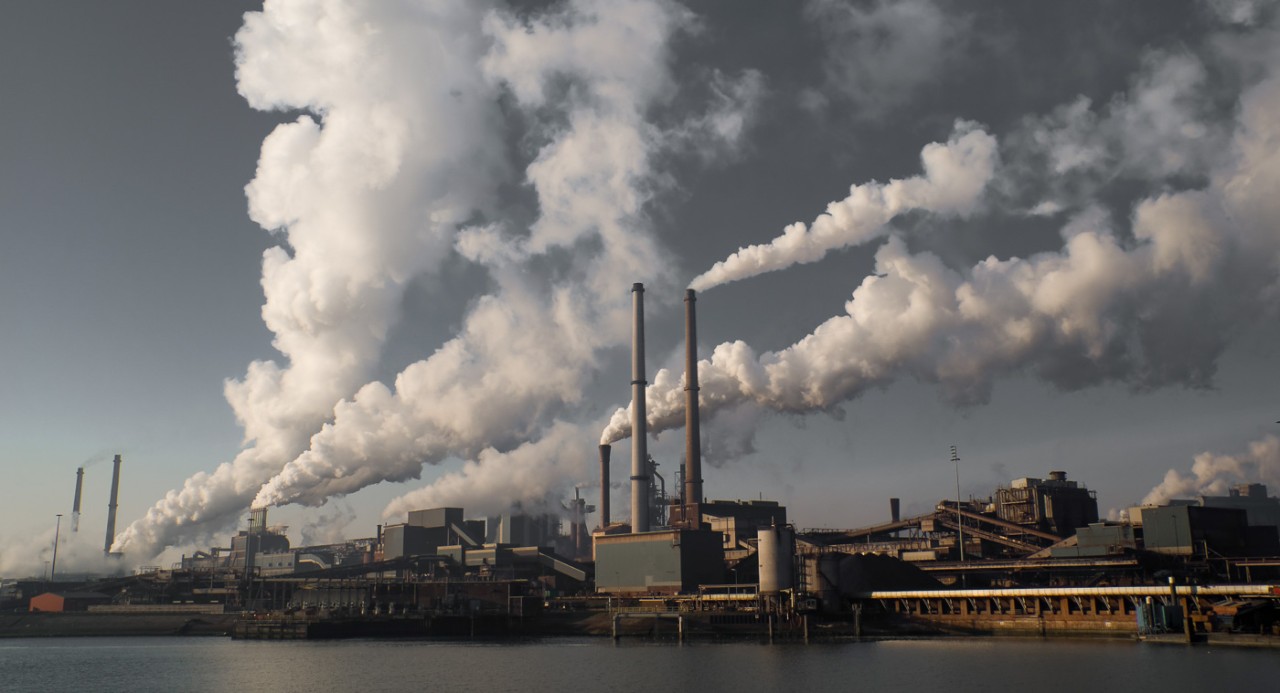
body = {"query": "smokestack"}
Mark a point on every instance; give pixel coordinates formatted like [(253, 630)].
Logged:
[(895, 509), (692, 432), (112, 504), (605, 450), (639, 424), (75, 504)]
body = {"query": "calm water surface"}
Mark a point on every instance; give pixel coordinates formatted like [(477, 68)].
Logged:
[(597, 664)]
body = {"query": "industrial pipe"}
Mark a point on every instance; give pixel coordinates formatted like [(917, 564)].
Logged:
[(639, 424), (75, 504), (692, 433), (111, 506), (1138, 591), (605, 451)]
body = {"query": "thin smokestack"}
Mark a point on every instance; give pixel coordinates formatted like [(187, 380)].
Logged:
[(75, 504), (605, 451), (639, 425), (692, 431), (112, 504), (895, 512)]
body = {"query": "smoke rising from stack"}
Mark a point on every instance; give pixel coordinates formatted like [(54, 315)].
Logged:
[(380, 186), (397, 169), (955, 176), (1151, 303), (1213, 474), (365, 197)]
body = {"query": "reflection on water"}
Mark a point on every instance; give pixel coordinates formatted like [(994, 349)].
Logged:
[(216, 664)]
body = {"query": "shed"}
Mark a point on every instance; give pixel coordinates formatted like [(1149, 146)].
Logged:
[(58, 602)]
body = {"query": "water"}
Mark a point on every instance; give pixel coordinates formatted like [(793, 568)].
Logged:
[(597, 664)]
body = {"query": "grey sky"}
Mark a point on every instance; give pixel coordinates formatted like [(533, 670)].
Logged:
[(130, 273)]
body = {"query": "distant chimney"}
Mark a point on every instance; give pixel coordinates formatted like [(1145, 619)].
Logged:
[(112, 504), (692, 432), (605, 451), (895, 509), (640, 480), (75, 504)]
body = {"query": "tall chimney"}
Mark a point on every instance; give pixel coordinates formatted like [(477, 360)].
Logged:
[(692, 432), (639, 423), (112, 504), (895, 512), (75, 504), (605, 450)]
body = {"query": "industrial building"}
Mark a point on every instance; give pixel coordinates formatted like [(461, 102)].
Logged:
[(58, 602), (672, 561), (1014, 555), (1054, 505)]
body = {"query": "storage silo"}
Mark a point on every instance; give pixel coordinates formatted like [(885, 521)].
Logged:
[(776, 546)]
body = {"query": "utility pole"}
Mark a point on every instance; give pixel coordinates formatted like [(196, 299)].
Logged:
[(959, 518), (57, 532)]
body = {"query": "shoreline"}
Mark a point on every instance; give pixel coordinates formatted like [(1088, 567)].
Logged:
[(592, 625)]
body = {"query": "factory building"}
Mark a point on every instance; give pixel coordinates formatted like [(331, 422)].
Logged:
[(1054, 505), (739, 521), (58, 602), (1261, 509), (258, 539), (1098, 539), (672, 561), (1198, 531)]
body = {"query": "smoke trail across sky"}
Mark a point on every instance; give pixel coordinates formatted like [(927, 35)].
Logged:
[(365, 197), (955, 174), (1214, 474), (1149, 303), (366, 210)]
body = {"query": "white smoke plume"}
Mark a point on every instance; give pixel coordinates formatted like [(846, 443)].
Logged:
[(1213, 475), (880, 54), (1150, 305), (78, 554), (527, 351), (1163, 128), (955, 175), (389, 176), (1243, 12), (328, 525), (493, 481), (366, 194)]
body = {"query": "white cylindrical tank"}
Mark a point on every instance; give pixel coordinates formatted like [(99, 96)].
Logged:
[(776, 546)]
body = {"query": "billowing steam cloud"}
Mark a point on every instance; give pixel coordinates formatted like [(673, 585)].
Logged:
[(524, 354), (1150, 305), (421, 112), (382, 189), (367, 196), (1213, 475), (955, 175), (493, 480)]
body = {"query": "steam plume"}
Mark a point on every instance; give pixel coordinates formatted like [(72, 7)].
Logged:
[(1150, 305), (1213, 475), (525, 352), (366, 194), (955, 175)]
